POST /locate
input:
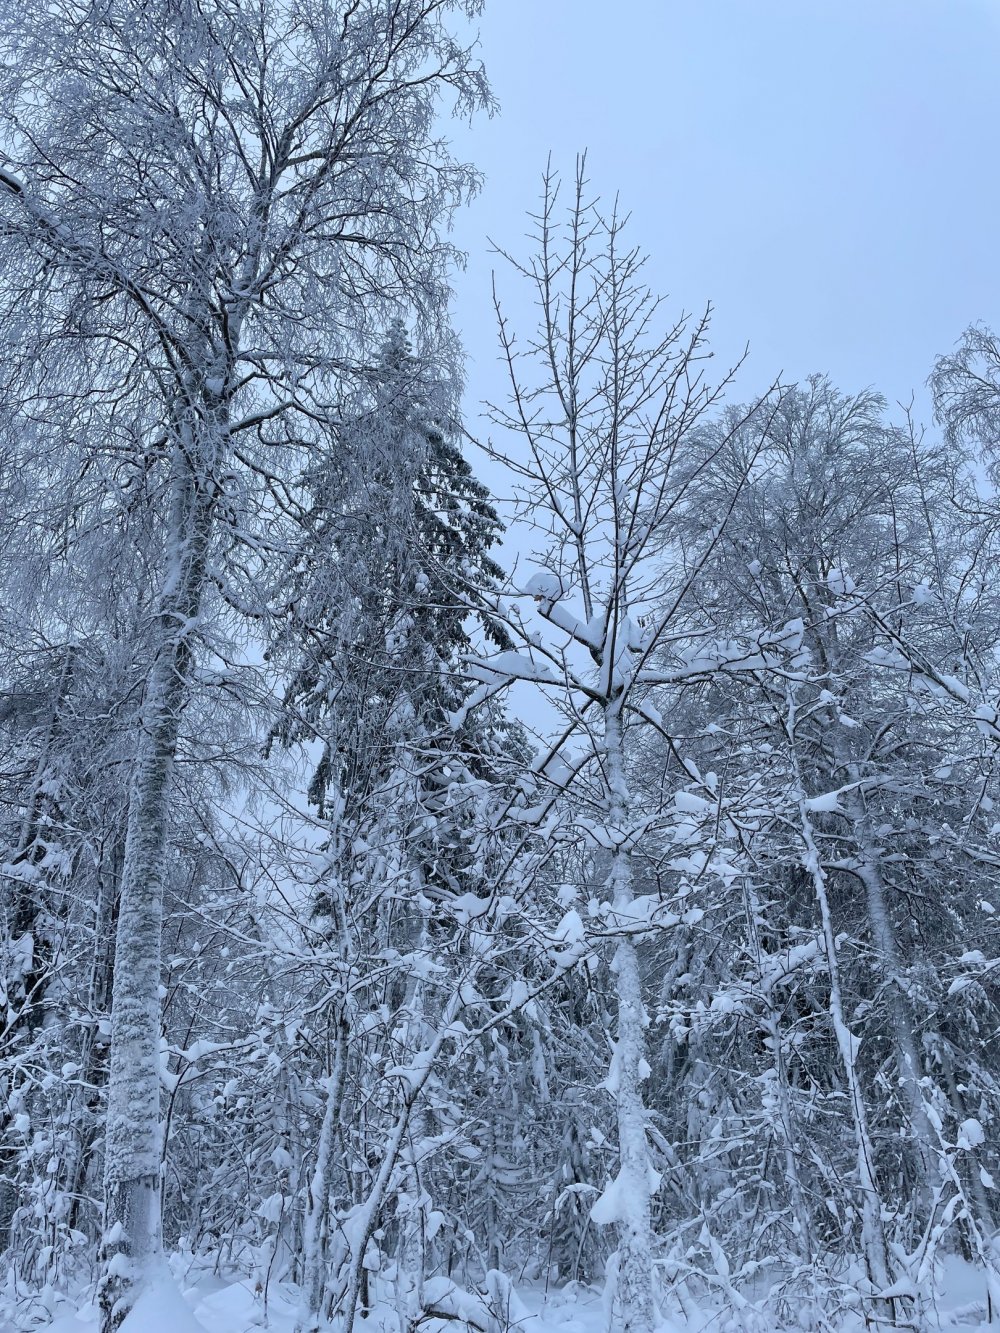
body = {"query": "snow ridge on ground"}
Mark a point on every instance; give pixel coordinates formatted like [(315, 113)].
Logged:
[(183, 1301)]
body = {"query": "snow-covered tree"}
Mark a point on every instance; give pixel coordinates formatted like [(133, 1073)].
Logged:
[(205, 212), (841, 780), (603, 409), (395, 549)]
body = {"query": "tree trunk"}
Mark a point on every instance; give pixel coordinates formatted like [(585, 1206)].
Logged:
[(313, 1282), (632, 1189), (132, 1139), (132, 1227)]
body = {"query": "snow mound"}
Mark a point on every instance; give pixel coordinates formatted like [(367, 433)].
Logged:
[(161, 1309)]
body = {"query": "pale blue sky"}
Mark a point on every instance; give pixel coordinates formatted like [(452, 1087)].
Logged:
[(826, 171)]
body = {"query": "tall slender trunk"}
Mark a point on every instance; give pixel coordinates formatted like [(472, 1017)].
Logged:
[(132, 1137), (632, 1189), (314, 1268), (132, 1225)]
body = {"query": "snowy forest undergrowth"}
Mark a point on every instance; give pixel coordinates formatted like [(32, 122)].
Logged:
[(390, 941)]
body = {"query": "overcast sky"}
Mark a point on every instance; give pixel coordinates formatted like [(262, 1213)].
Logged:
[(825, 171)]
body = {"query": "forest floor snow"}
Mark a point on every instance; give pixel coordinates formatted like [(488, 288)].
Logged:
[(173, 1304), (214, 1305)]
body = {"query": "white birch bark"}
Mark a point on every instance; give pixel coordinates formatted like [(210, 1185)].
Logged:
[(634, 1304), (132, 1153)]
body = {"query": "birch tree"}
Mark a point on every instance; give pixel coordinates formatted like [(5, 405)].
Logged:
[(205, 213)]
